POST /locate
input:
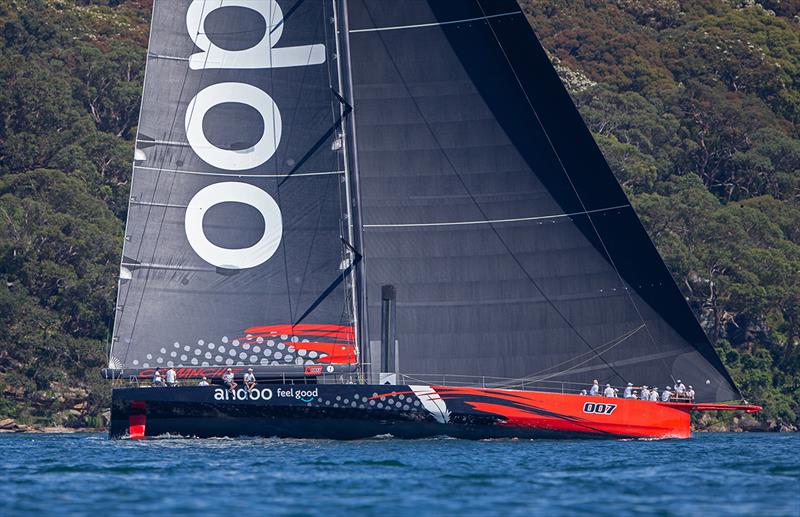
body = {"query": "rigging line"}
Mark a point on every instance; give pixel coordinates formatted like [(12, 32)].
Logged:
[(581, 356), (573, 367), (169, 193), (314, 148), (306, 70), (284, 253), (309, 254), (480, 209), (344, 217), (321, 202), (297, 166), (572, 185), (434, 24), (339, 279), (234, 175), (494, 221), (603, 349)]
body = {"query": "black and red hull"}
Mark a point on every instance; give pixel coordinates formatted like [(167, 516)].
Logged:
[(352, 411)]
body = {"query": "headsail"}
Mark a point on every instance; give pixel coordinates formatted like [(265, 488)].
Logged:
[(233, 250), (486, 202)]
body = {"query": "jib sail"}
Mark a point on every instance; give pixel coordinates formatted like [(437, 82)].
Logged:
[(234, 251), (487, 204)]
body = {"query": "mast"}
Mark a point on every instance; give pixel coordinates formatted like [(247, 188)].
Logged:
[(355, 235)]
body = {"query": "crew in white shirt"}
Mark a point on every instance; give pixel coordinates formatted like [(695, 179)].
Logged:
[(665, 395), (628, 393), (595, 389), (158, 381), (171, 377), (609, 391), (249, 380), (679, 388), (690, 394), (227, 378), (654, 395), (203, 382), (645, 395)]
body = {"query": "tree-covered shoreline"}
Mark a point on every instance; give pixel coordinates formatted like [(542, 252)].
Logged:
[(695, 105)]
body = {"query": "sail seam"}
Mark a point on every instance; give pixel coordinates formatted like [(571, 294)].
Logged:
[(433, 24), (204, 173), (493, 221), (162, 56)]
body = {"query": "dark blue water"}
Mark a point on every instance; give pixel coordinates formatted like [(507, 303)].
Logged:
[(743, 474)]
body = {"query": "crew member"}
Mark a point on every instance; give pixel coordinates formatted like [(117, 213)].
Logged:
[(227, 378), (158, 381), (666, 394), (645, 393), (609, 391), (249, 380), (679, 388), (203, 382), (628, 393), (172, 377), (654, 395), (595, 389), (690, 393)]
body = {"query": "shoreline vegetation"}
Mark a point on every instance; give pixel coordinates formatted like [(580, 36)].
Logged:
[(696, 106)]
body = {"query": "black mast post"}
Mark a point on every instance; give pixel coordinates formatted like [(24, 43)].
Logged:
[(388, 328)]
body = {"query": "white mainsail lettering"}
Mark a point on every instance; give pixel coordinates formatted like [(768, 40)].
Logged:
[(233, 192), (262, 54), (235, 160)]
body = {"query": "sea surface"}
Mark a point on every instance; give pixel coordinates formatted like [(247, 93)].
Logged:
[(710, 474)]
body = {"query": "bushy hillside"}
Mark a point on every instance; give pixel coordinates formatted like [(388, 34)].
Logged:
[(695, 104)]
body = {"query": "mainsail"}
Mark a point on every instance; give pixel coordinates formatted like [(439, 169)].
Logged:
[(235, 248), (487, 204)]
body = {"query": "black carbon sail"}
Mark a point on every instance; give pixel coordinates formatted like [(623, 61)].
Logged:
[(487, 204), (234, 249)]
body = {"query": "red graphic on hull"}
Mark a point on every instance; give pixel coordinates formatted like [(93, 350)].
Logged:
[(560, 412), (334, 344)]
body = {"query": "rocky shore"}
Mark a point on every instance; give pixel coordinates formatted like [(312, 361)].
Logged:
[(9, 425), (709, 423)]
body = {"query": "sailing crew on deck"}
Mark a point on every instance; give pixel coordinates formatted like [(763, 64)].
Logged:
[(690, 393), (666, 394), (172, 377), (628, 393), (249, 380), (680, 389), (654, 395), (645, 393), (583, 392), (203, 382), (609, 391), (227, 378), (158, 381), (595, 389)]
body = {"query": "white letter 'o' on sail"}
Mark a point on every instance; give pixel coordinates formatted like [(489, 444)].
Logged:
[(262, 54), (234, 192), (238, 93)]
